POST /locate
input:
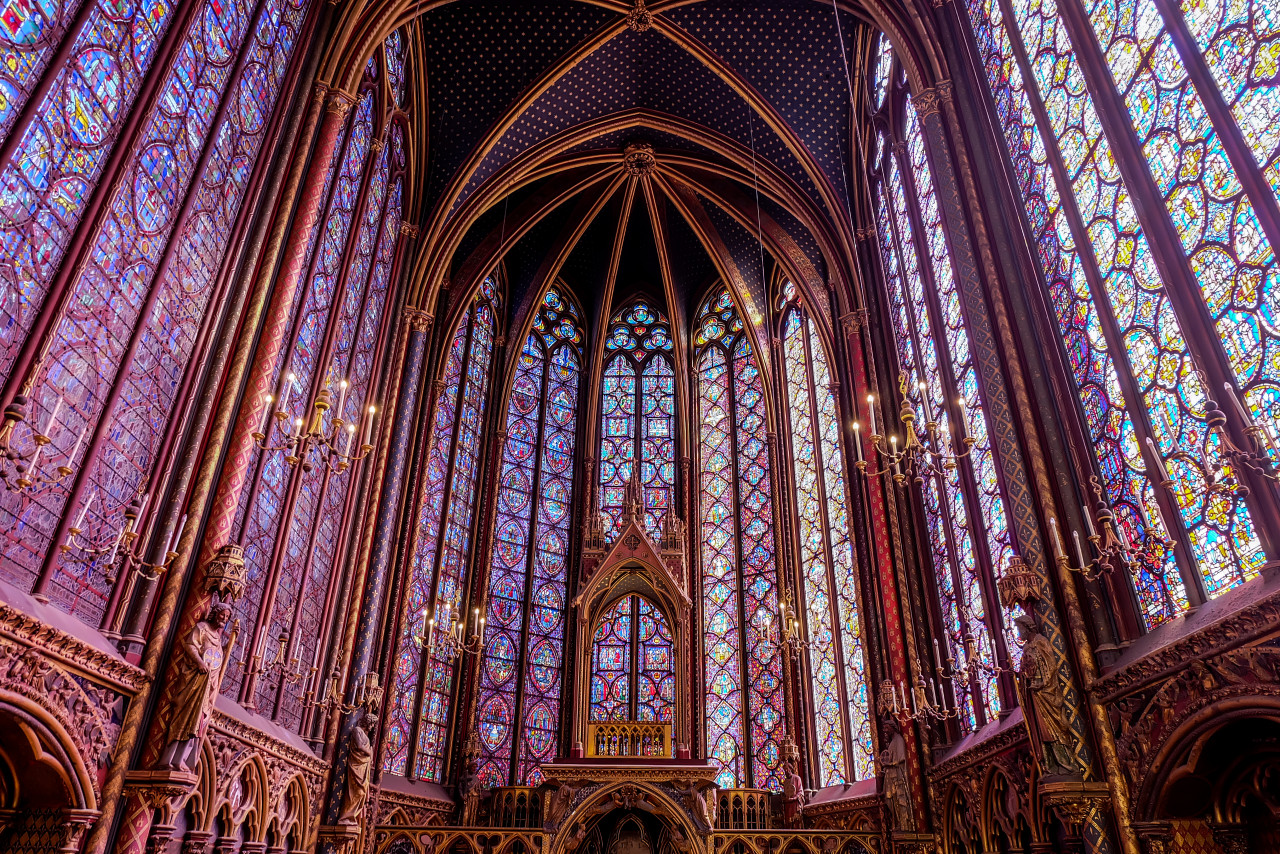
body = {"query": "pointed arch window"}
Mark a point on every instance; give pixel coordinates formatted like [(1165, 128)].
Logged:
[(837, 660), (522, 669), (742, 665), (422, 686), (968, 533), (638, 417), (632, 664), (118, 352), (1187, 93)]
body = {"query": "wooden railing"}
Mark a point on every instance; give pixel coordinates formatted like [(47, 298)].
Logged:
[(629, 738)]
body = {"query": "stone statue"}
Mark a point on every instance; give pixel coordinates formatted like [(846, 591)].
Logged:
[(1048, 705), (793, 797), (469, 791), (359, 770), (558, 809), (897, 790), (197, 676)]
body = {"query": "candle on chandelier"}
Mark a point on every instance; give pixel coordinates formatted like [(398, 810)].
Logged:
[(937, 652), (924, 400), (857, 441), (288, 387), (964, 416), (1088, 520), (351, 435), (115, 548), (342, 399), (76, 449), (431, 630), (1164, 472), (482, 631), (871, 413), (1057, 540), (53, 416), (266, 416), (1241, 413), (1075, 535), (84, 511), (368, 426)]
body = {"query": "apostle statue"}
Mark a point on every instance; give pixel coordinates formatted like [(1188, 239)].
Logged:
[(359, 770), (469, 791), (792, 793), (1047, 703), (897, 789), (197, 676)]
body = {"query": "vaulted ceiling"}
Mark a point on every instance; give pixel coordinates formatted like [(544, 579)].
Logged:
[(737, 114)]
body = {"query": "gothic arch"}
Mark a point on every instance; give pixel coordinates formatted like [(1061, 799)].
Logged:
[(626, 795)]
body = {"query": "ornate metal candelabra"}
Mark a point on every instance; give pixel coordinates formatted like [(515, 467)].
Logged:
[(791, 636), (930, 455), (288, 668), (448, 643), (302, 439), (123, 552), (20, 470)]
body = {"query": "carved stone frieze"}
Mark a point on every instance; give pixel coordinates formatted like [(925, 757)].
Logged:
[(89, 713), (70, 651), (1240, 627), (1148, 719), (232, 742)]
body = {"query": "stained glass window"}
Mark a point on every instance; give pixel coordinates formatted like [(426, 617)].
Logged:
[(263, 528), (522, 669), (421, 688), (638, 412), (1121, 321), (884, 69), (632, 664), (837, 663), (969, 535), (741, 618), (120, 353)]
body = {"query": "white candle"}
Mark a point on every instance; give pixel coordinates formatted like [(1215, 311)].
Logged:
[(288, 387), (1088, 520), (368, 426), (142, 505), (871, 414), (937, 652), (857, 441), (351, 435), (53, 416), (1057, 541), (84, 511), (76, 449), (1243, 414), (482, 630), (1164, 472), (342, 398), (297, 427), (266, 416), (35, 458), (1075, 535), (431, 630), (924, 400), (938, 700), (115, 548), (964, 416)]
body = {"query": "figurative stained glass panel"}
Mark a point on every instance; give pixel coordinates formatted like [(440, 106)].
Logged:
[(129, 291), (655, 663), (1220, 530), (531, 537), (637, 417), (837, 663), (884, 69), (612, 647), (742, 665), (417, 614), (1091, 338), (455, 540)]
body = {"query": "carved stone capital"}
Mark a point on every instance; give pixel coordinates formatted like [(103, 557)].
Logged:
[(342, 837), (196, 842), (409, 230), (338, 103), (926, 102), (868, 233), (419, 320), (1156, 837), (1073, 800), (854, 322), (946, 90)]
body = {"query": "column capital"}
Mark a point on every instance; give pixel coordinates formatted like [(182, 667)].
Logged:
[(926, 102)]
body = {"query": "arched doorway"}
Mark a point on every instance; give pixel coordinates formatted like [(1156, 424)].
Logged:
[(45, 802)]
